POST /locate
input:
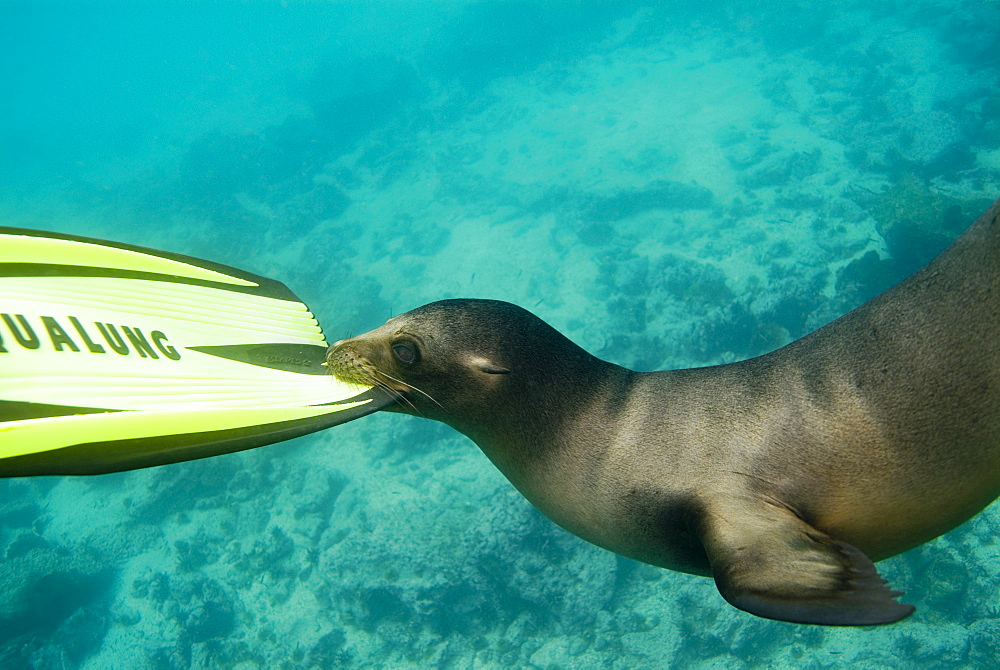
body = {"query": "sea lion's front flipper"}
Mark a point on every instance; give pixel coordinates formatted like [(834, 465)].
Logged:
[(769, 562)]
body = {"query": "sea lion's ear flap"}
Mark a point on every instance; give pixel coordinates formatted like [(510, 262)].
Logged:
[(768, 562), (484, 364)]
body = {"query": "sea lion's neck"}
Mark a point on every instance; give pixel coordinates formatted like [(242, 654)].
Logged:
[(530, 424)]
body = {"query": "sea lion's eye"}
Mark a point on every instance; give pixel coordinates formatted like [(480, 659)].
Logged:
[(405, 352)]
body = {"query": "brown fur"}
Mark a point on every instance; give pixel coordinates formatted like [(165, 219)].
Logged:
[(872, 435)]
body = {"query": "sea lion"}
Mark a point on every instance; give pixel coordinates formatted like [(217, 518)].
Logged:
[(783, 476)]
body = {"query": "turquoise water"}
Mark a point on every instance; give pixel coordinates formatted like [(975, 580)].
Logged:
[(669, 186)]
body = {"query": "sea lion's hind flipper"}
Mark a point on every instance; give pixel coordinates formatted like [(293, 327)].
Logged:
[(769, 562)]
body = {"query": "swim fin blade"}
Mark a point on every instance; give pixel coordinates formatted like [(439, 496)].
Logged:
[(115, 357)]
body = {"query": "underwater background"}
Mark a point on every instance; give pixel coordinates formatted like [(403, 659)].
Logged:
[(669, 184)]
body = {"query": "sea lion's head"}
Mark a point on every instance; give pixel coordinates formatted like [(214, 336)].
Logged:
[(439, 360), (468, 363)]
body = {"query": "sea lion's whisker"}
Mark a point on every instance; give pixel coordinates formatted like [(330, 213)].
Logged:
[(400, 397), (427, 395)]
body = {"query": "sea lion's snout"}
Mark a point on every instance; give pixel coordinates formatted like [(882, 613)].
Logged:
[(354, 360), (347, 364)]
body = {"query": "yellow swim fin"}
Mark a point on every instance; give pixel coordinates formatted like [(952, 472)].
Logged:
[(114, 357)]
